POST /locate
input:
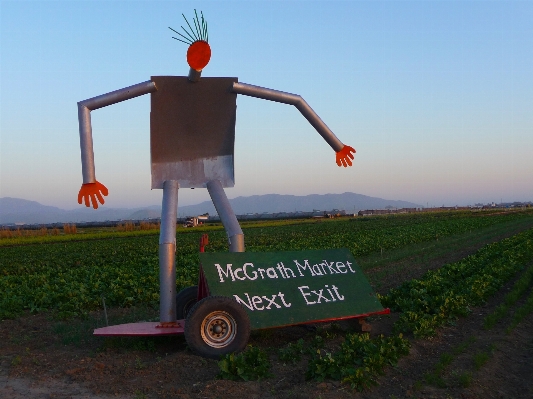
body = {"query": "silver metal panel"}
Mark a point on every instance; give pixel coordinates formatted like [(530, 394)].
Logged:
[(192, 131), (195, 173), (227, 216), (298, 102)]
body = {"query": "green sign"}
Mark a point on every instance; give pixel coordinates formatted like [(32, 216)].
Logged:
[(284, 288)]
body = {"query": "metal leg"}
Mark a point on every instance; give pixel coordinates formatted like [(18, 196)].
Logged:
[(167, 253), (227, 216)]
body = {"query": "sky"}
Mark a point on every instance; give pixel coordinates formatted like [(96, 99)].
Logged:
[(435, 96)]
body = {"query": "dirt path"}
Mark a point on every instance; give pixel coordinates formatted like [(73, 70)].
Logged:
[(51, 372), (19, 388)]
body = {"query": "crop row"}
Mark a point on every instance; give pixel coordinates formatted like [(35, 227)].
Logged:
[(71, 277), (366, 235), (438, 297), (521, 286), (358, 362), (449, 292)]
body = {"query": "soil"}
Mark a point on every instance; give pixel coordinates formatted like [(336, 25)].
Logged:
[(36, 362)]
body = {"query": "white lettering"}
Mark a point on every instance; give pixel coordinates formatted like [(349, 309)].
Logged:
[(248, 304), (335, 289), (321, 266), (237, 276), (271, 301), (317, 270), (305, 295), (341, 267), (332, 297), (350, 267), (254, 274), (257, 301), (286, 270), (229, 272), (281, 296), (271, 272), (330, 267), (305, 266), (319, 294)]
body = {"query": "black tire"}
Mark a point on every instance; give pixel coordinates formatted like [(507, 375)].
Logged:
[(216, 326), (185, 301)]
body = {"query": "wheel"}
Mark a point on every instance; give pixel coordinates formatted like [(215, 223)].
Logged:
[(217, 325), (185, 300)]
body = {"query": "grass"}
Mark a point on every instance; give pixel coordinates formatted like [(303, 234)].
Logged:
[(252, 364), (480, 359), (139, 395), (465, 379), (126, 229), (521, 313), (70, 233), (20, 233), (403, 260), (78, 331), (16, 360), (426, 251), (503, 310), (72, 276), (443, 295), (463, 346), (435, 377)]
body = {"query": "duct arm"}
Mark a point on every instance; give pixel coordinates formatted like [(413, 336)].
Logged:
[(84, 117), (298, 102)]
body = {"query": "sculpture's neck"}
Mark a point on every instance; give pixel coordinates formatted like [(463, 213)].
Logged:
[(194, 75)]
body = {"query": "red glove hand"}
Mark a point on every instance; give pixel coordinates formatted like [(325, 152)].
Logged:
[(345, 156), (90, 192)]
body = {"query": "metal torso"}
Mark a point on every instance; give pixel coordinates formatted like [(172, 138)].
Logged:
[(192, 131)]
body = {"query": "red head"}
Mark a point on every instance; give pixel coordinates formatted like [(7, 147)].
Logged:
[(199, 52), (198, 55)]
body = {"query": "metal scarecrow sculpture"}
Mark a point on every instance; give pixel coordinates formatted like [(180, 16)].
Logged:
[(192, 132)]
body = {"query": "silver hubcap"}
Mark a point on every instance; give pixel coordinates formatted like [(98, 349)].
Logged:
[(218, 329)]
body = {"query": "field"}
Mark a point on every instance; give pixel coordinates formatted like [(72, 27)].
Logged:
[(459, 283)]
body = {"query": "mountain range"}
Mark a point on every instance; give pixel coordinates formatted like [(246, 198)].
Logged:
[(16, 210)]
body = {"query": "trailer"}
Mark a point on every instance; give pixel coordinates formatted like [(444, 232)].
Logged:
[(244, 291)]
